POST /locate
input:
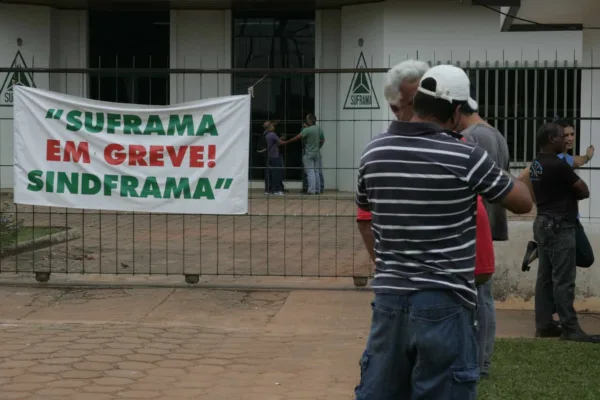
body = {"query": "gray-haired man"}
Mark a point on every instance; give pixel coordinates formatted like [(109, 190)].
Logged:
[(400, 86)]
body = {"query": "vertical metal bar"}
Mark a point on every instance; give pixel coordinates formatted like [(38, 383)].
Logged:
[(99, 211), (150, 213), (116, 213), (535, 104), (526, 107), (285, 218), (516, 112), (565, 73), (555, 88), (505, 105), (337, 154), (486, 89), (574, 106), (496, 97), (545, 95), (133, 232)]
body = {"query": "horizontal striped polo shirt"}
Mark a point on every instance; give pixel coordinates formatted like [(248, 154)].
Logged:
[(420, 185)]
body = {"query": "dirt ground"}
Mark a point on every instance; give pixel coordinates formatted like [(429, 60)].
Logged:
[(283, 236), (307, 236)]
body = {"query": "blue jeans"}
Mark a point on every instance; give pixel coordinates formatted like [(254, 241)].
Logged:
[(486, 319), (312, 164), (422, 346)]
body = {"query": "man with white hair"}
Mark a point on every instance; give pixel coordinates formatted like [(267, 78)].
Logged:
[(420, 184), (400, 86)]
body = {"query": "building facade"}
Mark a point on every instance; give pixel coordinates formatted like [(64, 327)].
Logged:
[(523, 77)]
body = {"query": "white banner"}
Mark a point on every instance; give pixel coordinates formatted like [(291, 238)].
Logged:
[(187, 158)]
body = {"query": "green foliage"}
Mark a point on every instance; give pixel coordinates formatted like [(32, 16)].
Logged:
[(9, 228)]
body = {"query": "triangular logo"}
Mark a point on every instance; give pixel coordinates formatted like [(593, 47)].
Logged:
[(15, 78), (361, 95)]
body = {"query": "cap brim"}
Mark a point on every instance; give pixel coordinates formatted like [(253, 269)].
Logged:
[(472, 104)]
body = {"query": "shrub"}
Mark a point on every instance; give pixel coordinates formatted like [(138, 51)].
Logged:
[(9, 229)]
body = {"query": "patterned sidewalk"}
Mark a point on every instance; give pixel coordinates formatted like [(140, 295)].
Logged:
[(97, 362)]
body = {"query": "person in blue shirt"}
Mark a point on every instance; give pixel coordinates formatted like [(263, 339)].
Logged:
[(584, 252)]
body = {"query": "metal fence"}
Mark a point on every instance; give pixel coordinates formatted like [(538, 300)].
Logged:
[(293, 235)]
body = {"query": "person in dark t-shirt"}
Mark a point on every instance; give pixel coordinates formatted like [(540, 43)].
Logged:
[(556, 188)]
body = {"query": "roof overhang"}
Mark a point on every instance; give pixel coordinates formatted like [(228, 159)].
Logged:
[(547, 15)]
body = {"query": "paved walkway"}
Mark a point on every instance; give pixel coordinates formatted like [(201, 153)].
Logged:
[(189, 343)]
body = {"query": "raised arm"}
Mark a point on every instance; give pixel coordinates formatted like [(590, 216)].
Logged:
[(580, 161), (491, 182)]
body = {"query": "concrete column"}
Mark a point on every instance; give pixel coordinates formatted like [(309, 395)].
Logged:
[(590, 129)]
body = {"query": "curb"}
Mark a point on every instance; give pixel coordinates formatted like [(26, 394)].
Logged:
[(43, 241)]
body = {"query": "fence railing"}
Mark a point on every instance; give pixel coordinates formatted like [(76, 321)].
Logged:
[(293, 235)]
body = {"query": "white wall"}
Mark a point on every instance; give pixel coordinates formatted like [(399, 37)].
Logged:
[(590, 108), (69, 49), (356, 127), (431, 30), (200, 39), (32, 25), (327, 55), (461, 33)]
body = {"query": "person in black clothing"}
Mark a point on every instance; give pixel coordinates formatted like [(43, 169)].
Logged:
[(557, 188)]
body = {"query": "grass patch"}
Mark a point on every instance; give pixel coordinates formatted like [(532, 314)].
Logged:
[(524, 369), (34, 232)]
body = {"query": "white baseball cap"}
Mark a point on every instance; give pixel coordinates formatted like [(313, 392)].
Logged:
[(452, 84)]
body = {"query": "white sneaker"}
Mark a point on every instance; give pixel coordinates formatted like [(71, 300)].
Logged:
[(278, 194)]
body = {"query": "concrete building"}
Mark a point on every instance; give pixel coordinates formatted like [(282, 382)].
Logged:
[(525, 72), (205, 34)]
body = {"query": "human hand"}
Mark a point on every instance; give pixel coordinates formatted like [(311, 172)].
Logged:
[(590, 152)]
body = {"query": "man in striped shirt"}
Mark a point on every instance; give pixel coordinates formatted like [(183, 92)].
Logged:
[(420, 184)]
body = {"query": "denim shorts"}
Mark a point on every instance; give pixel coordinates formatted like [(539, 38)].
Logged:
[(421, 346)]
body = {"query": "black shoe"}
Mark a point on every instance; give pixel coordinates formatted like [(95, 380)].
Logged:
[(531, 248), (580, 336), (552, 331)]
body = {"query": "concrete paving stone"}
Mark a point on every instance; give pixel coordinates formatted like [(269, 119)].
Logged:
[(8, 395), (151, 386), (113, 381), (67, 383), (102, 358), (159, 379), (22, 387), (135, 365), (11, 372), (113, 352), (183, 393), (70, 353), (62, 392), (34, 378), (119, 345), (148, 358), (138, 394), (174, 372), (59, 360), (125, 373), (92, 366), (91, 396), (102, 389), (74, 374), (206, 369)]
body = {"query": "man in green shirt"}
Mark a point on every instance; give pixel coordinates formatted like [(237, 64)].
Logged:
[(313, 138)]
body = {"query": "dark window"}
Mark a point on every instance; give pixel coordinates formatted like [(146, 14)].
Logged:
[(276, 41), (126, 40), (518, 100)]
